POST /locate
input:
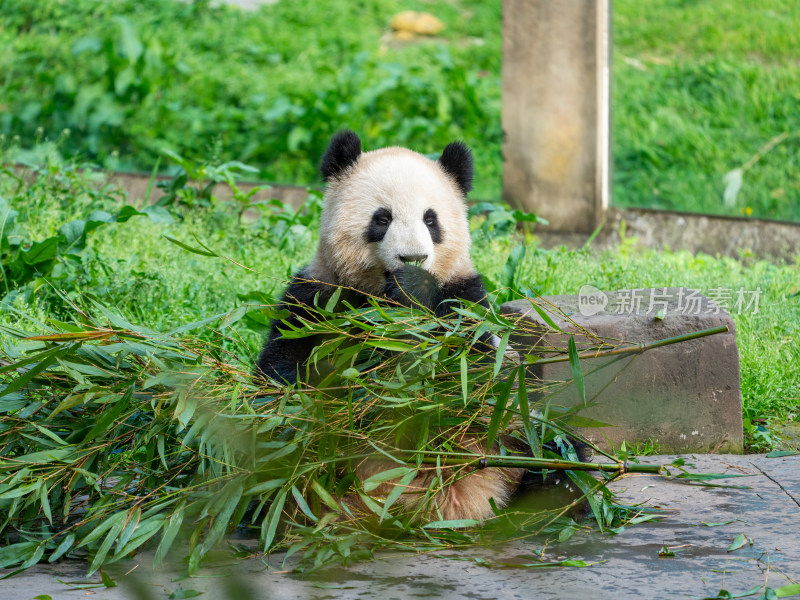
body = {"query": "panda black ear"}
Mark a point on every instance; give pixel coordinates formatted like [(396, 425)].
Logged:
[(342, 152), (456, 160)]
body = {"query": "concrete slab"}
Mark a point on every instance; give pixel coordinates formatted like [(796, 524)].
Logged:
[(624, 566), (716, 235), (685, 397)]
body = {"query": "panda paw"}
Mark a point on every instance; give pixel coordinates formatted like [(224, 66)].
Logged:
[(414, 287)]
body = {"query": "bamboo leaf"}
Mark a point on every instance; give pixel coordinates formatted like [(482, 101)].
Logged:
[(452, 524), (66, 455), (189, 248), (75, 336), (106, 579), (497, 413), (144, 531), (28, 375), (393, 345), (397, 490), (173, 525), (35, 557), (109, 416), (525, 412), (793, 589), (266, 486), (330, 305), (738, 542), (225, 504), (49, 434), (62, 547), (270, 524), (99, 530), (324, 495), (302, 504), (36, 358), (16, 492), (16, 553), (545, 317), (118, 522), (45, 502), (575, 367), (501, 353), (133, 521), (373, 482)]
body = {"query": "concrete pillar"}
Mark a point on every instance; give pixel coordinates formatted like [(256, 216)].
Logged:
[(556, 79)]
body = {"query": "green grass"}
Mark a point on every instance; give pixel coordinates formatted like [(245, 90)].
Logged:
[(151, 280), (699, 88)]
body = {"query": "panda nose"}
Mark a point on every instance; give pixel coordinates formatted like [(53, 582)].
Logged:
[(413, 258)]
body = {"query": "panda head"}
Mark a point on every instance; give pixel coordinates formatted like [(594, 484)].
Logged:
[(390, 207)]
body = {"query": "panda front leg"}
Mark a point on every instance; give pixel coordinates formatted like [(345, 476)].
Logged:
[(414, 286), (283, 359), (464, 493)]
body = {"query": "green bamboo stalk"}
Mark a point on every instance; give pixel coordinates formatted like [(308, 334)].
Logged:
[(525, 462), (637, 348)]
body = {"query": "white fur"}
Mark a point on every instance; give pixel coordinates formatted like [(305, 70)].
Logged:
[(407, 184)]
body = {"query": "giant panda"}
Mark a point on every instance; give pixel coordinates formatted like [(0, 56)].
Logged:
[(388, 216)]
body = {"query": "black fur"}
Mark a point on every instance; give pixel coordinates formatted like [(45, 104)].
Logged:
[(281, 358), (342, 153), (456, 160), (413, 286), (470, 289), (431, 220), (379, 225)]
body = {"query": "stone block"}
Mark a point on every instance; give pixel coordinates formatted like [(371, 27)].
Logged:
[(686, 397)]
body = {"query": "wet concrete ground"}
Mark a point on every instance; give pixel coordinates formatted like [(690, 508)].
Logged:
[(624, 566)]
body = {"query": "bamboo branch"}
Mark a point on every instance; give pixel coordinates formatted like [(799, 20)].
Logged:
[(524, 462), (637, 348)]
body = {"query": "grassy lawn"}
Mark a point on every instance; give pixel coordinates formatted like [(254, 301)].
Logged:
[(131, 266), (699, 89)]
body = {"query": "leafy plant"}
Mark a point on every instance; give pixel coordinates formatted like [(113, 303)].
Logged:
[(165, 438), (496, 220), (27, 264), (115, 435)]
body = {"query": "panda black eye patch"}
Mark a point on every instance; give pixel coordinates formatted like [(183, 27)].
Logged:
[(432, 223), (378, 226)]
